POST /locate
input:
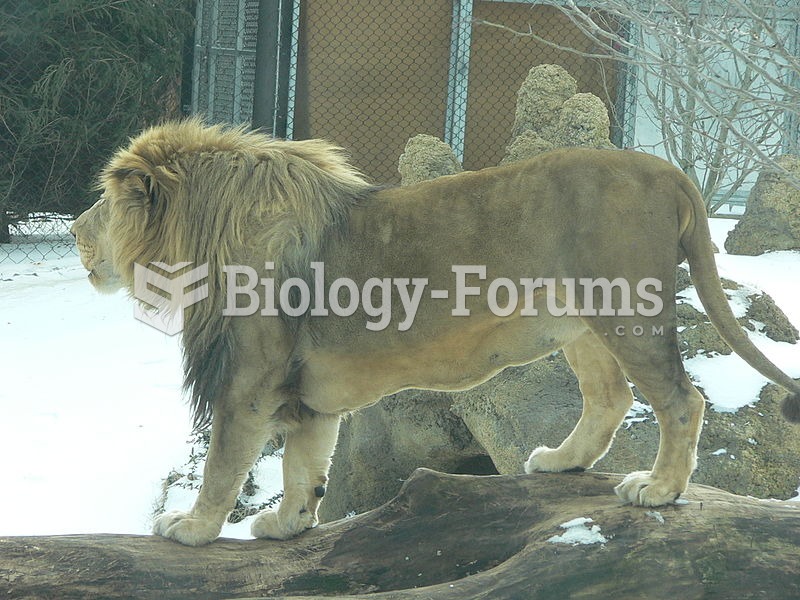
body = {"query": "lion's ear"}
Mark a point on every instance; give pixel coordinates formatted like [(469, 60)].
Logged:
[(140, 183), (152, 189)]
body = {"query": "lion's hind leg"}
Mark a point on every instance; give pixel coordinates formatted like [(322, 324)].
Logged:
[(653, 363), (306, 461), (679, 409), (606, 399)]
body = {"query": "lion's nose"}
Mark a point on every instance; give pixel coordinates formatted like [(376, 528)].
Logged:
[(72, 231)]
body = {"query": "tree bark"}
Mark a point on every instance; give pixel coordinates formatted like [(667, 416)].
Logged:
[(449, 537), (5, 231)]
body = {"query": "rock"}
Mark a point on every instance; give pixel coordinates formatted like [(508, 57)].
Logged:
[(761, 450), (426, 157), (682, 279), (526, 145), (698, 335), (381, 445), (540, 98), (551, 114), (776, 324), (521, 408), (772, 218), (583, 121), (450, 537)]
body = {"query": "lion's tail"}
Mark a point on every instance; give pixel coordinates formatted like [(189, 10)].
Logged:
[(696, 243)]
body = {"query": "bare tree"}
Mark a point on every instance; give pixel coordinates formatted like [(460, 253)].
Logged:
[(720, 79)]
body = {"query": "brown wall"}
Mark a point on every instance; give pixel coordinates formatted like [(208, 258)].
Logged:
[(373, 73), (499, 62)]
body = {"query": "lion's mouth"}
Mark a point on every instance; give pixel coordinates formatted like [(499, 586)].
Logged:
[(104, 283)]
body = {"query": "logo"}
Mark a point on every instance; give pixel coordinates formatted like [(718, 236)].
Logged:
[(161, 297), (165, 291)]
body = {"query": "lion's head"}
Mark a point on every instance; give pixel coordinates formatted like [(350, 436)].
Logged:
[(189, 192), (91, 238)]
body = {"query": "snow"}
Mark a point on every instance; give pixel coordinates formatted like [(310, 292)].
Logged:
[(656, 515), (637, 413), (578, 532), (93, 417), (92, 414), (727, 380)]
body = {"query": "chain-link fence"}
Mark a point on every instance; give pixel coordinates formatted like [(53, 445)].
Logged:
[(37, 237), (711, 85), (370, 74), (77, 77)]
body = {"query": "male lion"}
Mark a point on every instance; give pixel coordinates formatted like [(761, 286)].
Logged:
[(209, 194)]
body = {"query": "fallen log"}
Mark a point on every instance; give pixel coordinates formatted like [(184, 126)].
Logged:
[(450, 537)]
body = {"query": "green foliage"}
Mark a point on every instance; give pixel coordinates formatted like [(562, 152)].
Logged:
[(78, 77)]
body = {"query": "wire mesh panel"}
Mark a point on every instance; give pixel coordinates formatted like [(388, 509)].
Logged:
[(371, 74), (500, 58), (225, 59)]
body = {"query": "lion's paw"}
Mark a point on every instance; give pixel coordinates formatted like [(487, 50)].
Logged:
[(548, 460), (640, 488), (186, 529), (269, 524)]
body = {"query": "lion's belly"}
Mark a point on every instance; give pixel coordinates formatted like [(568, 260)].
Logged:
[(338, 380)]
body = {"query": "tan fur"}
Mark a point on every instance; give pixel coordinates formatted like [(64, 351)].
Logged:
[(187, 192), (285, 196)]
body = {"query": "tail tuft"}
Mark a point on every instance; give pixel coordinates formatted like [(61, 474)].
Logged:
[(790, 407)]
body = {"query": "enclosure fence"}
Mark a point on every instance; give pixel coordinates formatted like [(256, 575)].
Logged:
[(77, 77), (370, 74)]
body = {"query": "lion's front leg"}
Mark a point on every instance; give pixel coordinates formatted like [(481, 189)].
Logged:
[(306, 461), (237, 438)]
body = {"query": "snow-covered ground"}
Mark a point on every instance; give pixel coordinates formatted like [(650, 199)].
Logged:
[(91, 415)]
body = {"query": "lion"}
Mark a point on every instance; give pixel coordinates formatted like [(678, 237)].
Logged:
[(595, 228)]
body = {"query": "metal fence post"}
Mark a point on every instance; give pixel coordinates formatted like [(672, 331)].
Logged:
[(270, 93), (266, 78)]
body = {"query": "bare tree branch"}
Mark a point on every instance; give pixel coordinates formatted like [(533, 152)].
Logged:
[(719, 79)]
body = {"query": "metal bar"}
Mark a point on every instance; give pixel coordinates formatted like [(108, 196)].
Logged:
[(284, 67), (199, 55), (291, 84), (458, 77), (266, 75), (623, 131), (212, 59), (239, 64)]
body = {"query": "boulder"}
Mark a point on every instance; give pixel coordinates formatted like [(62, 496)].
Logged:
[(426, 157), (551, 114), (526, 145), (774, 322), (540, 98), (772, 218), (583, 121), (381, 445)]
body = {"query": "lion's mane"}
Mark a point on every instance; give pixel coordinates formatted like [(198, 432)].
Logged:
[(185, 191)]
